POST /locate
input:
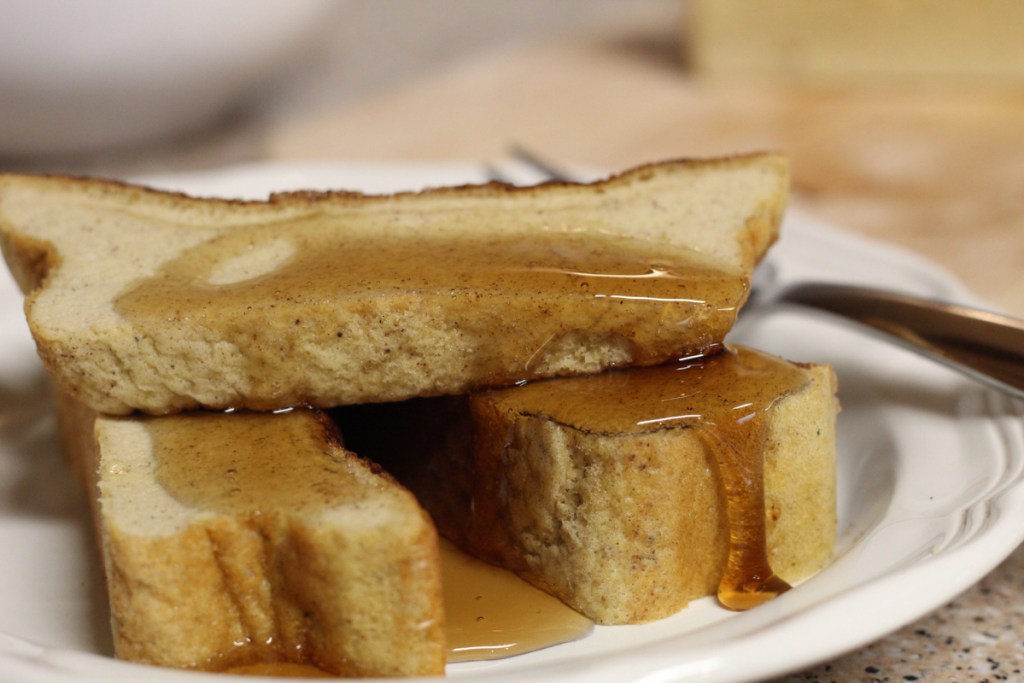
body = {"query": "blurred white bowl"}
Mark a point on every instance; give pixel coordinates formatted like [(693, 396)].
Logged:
[(82, 75)]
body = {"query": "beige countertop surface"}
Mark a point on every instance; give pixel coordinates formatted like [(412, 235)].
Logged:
[(936, 171)]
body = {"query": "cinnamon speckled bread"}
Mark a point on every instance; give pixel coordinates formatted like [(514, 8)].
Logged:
[(610, 491), (157, 302), (234, 539)]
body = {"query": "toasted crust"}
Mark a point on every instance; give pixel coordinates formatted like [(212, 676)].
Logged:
[(353, 588), (624, 527), (78, 245)]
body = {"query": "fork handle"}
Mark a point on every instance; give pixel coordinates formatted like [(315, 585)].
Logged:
[(986, 346)]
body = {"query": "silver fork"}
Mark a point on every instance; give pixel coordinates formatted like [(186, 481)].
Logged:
[(985, 346)]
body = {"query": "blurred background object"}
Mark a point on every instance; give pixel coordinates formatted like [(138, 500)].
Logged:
[(127, 87), (874, 43), (88, 76)]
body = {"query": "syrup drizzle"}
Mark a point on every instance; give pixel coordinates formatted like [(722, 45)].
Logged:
[(239, 462), (747, 580), (629, 289), (491, 613)]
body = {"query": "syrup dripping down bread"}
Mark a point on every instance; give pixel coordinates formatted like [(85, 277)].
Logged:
[(157, 302)]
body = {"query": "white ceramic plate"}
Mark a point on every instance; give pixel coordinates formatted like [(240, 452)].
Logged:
[(931, 488)]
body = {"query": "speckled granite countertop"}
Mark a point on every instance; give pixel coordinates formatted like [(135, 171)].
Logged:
[(977, 637)]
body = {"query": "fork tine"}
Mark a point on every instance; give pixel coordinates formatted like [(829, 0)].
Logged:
[(495, 174), (527, 156)]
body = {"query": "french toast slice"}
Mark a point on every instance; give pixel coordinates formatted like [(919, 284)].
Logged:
[(233, 540), (612, 492), (157, 302)]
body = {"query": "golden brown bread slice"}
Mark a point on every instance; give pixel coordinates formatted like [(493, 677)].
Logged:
[(609, 491), (159, 302), (232, 539)]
